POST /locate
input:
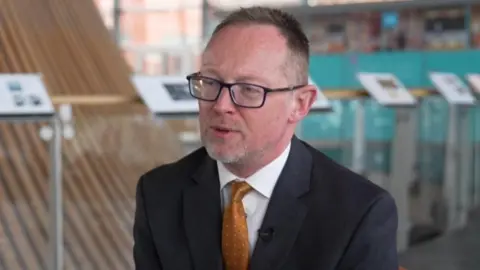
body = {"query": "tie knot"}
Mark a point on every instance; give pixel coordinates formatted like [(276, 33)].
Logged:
[(239, 190)]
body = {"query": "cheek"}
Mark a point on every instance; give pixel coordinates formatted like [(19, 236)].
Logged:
[(203, 112), (203, 107), (263, 126)]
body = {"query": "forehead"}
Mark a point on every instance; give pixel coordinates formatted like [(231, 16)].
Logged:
[(251, 49)]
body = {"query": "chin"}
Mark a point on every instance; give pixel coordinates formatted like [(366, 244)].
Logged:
[(220, 154)]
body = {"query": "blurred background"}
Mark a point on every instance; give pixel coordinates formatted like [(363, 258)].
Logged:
[(427, 157)]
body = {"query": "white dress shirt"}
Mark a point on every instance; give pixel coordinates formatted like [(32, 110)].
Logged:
[(256, 201)]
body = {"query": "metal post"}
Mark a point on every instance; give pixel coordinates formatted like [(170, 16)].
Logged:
[(206, 21), (117, 13), (55, 209), (476, 162), (345, 145), (182, 22), (403, 161), (186, 60), (359, 140), (450, 183), (465, 167), (139, 61)]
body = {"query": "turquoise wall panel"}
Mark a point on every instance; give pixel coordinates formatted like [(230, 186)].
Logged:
[(339, 125), (475, 123), (330, 71), (412, 68)]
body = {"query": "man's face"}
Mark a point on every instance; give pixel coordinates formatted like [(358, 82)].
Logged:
[(246, 54)]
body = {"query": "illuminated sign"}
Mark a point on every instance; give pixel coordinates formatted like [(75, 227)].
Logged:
[(166, 95), (452, 88), (322, 103), (386, 89), (474, 80), (24, 95)]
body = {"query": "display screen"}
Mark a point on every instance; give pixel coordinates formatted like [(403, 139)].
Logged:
[(24, 95), (388, 84), (389, 20), (14, 86), (178, 91)]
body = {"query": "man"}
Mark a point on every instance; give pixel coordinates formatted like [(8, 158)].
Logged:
[(256, 197)]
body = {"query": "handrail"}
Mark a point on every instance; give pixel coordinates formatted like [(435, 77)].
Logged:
[(119, 99), (114, 99)]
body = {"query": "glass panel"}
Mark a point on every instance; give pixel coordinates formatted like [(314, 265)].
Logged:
[(331, 132), (427, 207), (112, 148), (475, 124), (24, 186), (379, 128)]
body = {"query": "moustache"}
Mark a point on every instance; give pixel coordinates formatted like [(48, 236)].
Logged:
[(224, 125)]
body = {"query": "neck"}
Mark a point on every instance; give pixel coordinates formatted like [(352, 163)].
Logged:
[(254, 163)]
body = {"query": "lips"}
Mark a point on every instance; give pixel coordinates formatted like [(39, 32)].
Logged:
[(220, 131), (223, 128)]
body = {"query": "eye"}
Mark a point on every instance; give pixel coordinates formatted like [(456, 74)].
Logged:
[(250, 91), (207, 81)]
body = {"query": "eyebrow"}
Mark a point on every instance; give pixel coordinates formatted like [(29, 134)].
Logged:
[(251, 79), (208, 70), (242, 78)]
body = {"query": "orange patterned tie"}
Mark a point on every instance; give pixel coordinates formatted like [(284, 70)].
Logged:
[(235, 245)]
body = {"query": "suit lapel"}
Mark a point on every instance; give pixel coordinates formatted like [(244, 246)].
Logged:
[(286, 211), (202, 217)]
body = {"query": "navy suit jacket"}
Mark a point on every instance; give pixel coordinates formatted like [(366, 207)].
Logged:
[(320, 216)]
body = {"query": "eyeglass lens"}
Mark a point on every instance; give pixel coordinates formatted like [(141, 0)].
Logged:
[(243, 94)]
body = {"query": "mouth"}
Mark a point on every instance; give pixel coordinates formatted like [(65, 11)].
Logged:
[(222, 131)]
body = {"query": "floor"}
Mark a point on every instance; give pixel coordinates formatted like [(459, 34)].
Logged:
[(457, 251)]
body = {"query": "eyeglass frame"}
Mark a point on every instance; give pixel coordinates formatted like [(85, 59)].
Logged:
[(229, 86)]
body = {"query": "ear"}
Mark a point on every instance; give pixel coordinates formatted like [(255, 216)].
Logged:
[(303, 101)]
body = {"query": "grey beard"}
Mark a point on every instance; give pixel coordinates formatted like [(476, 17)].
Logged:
[(224, 159)]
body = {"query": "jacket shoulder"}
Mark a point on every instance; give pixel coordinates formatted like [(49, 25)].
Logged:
[(349, 188), (180, 169)]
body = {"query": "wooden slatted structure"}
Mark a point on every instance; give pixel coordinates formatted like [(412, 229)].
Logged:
[(67, 42)]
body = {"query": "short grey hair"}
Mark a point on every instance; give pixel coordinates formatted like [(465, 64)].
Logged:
[(289, 27)]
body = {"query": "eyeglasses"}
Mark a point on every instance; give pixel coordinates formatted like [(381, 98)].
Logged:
[(242, 94)]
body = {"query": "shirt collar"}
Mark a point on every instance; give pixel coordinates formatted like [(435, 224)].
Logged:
[(263, 180)]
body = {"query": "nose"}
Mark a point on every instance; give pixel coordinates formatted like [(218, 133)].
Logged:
[(224, 103)]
